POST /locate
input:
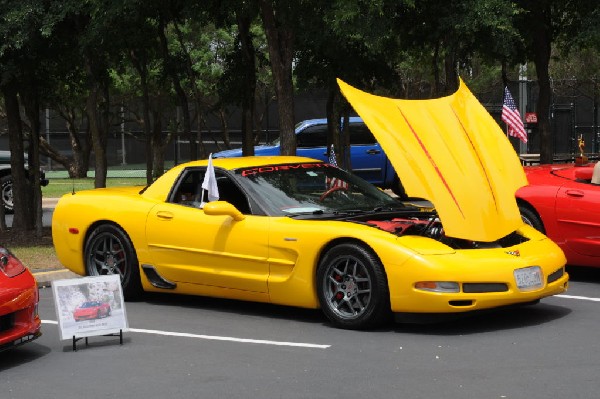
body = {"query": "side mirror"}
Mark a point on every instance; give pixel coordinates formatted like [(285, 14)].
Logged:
[(223, 208)]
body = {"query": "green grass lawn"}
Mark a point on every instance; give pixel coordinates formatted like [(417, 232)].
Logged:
[(58, 186)]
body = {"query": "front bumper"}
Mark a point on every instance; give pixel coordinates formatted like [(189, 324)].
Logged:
[(433, 302), (486, 278), (19, 320)]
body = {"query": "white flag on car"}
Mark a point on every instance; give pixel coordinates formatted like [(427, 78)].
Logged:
[(210, 182)]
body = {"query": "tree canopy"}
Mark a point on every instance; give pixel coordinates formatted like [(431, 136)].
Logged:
[(89, 60)]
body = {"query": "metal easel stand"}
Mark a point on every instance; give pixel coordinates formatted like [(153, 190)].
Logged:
[(75, 339)]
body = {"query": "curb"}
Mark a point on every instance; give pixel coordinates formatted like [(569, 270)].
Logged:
[(49, 203), (45, 278)]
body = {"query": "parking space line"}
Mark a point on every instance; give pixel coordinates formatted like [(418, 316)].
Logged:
[(219, 338), (581, 298)]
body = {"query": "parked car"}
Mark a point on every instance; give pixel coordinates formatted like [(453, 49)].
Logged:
[(561, 202), (367, 158), (295, 231), (90, 310), (6, 181), (19, 319)]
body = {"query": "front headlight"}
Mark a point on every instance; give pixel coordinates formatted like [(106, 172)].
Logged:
[(438, 286)]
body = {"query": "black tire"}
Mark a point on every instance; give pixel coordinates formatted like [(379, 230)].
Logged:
[(108, 250), (352, 287), (6, 187), (531, 218)]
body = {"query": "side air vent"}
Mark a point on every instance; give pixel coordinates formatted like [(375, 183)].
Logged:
[(156, 279)]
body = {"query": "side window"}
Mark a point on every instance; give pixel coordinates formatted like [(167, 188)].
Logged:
[(313, 136), (188, 191), (360, 134), (230, 192), (189, 188)]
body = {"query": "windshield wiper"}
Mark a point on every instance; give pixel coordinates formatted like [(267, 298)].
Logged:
[(389, 208), (350, 212)]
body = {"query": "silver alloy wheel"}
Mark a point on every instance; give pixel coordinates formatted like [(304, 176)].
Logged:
[(347, 287), (7, 194), (107, 256)]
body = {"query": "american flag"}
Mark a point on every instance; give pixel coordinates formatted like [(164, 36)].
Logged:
[(512, 117), (334, 181)]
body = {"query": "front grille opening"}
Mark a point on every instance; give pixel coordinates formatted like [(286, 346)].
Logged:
[(7, 322), (461, 303), (508, 241), (556, 275), (484, 287)]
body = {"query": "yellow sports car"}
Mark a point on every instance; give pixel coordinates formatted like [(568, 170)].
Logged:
[(299, 232)]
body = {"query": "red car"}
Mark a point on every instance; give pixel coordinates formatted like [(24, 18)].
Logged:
[(19, 319), (91, 310), (562, 202)]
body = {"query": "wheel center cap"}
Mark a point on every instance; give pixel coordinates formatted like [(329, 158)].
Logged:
[(350, 287), (110, 261)]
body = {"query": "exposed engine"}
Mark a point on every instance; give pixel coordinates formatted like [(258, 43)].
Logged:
[(430, 226)]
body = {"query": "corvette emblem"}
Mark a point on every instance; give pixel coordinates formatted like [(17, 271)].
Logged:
[(514, 253)]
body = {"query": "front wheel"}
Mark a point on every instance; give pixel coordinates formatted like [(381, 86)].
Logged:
[(108, 250), (531, 218), (352, 287)]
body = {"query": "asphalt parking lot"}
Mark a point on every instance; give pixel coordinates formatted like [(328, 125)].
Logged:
[(186, 347)]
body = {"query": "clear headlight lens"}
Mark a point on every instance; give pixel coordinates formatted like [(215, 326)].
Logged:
[(438, 286)]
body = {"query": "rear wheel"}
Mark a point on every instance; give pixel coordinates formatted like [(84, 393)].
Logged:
[(531, 218), (109, 251), (352, 287)]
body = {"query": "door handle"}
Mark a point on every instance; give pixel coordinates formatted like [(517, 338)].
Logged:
[(164, 215), (373, 152), (575, 193)]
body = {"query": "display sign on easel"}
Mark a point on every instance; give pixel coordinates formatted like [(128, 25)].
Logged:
[(90, 306)]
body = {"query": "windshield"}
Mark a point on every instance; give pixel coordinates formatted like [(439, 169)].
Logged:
[(89, 305), (312, 188)]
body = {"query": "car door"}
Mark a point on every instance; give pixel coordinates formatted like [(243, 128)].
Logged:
[(578, 218), (368, 159), (312, 142), (186, 245)]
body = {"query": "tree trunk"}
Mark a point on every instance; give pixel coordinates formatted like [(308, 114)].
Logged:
[(248, 55), (333, 120), (17, 160), (29, 94), (542, 39), (280, 41), (538, 28), (98, 136)]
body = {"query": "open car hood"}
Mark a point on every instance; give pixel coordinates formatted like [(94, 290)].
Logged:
[(450, 151)]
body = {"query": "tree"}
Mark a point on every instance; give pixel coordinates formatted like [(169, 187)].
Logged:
[(23, 59), (279, 22), (541, 25)]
